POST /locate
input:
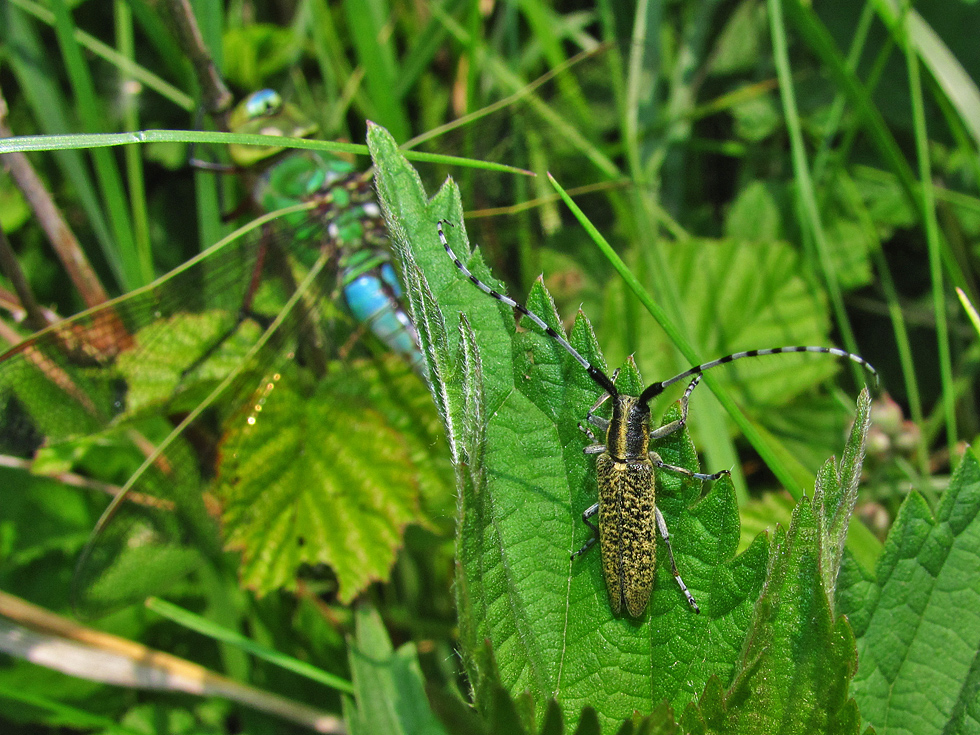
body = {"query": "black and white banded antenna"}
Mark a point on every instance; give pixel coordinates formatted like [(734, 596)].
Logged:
[(654, 389)]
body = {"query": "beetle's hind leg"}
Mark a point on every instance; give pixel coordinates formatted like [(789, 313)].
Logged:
[(665, 535), (589, 512)]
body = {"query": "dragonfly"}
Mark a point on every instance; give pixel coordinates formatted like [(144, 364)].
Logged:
[(199, 366), (207, 379), (370, 287)]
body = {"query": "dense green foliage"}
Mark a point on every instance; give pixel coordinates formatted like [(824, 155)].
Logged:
[(767, 173)]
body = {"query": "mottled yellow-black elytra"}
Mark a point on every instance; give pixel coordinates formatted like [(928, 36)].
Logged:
[(626, 468)]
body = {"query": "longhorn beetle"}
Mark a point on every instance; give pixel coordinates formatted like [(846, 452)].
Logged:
[(626, 468)]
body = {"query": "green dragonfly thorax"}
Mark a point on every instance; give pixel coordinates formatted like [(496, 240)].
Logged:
[(264, 113), (349, 212), (300, 176)]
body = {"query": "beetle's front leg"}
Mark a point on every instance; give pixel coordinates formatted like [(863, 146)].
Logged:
[(597, 421), (668, 429), (595, 448)]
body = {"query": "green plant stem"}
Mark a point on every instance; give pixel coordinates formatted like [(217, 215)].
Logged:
[(932, 241), (807, 198)]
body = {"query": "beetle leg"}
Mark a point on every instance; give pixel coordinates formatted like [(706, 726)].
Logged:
[(673, 426), (589, 512), (662, 529), (596, 448), (660, 464), (597, 421)]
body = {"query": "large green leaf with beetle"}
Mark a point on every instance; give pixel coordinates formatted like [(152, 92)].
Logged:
[(511, 402), (767, 638)]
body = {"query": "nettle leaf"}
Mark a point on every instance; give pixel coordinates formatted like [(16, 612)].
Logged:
[(316, 478), (797, 661), (836, 492), (511, 403), (916, 618), (515, 715), (389, 693)]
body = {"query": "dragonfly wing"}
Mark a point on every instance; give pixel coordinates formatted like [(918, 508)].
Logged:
[(194, 344)]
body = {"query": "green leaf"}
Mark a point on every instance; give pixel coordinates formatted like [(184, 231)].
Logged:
[(511, 403), (755, 214), (916, 619), (739, 295), (797, 662), (321, 477), (836, 493), (154, 369), (389, 694)]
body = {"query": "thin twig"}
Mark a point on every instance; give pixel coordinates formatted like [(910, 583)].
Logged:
[(62, 239), (33, 315), (217, 99)]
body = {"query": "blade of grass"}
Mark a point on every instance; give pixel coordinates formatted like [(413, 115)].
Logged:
[(370, 25), (641, 112), (821, 41), (131, 266), (202, 45), (206, 627), (910, 28), (511, 81), (105, 140), (897, 317), (827, 153), (932, 236), (970, 309), (126, 65), (64, 713), (129, 89), (36, 78), (794, 478), (807, 200)]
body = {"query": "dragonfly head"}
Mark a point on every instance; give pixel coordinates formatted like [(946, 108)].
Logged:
[(265, 113)]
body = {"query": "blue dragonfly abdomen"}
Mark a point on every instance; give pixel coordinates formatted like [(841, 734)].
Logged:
[(368, 281), (373, 297)]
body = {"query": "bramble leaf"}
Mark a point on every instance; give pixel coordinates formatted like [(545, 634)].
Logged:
[(320, 478)]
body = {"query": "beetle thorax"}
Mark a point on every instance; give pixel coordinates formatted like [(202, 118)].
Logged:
[(628, 435)]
